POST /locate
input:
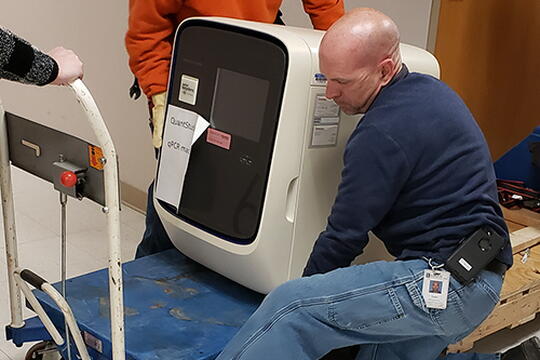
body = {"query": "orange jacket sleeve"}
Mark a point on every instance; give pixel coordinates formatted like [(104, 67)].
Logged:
[(151, 27), (323, 13)]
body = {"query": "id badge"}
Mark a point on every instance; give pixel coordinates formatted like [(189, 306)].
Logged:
[(435, 288)]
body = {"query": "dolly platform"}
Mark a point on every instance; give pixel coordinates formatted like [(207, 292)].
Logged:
[(174, 309)]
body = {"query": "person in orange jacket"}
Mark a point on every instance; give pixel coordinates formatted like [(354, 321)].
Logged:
[(151, 28)]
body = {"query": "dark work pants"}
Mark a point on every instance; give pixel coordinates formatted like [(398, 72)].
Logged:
[(155, 238)]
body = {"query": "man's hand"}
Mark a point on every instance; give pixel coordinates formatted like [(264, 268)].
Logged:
[(158, 115), (70, 66)]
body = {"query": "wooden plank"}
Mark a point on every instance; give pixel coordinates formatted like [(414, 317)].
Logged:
[(509, 314), (525, 238), (512, 226), (523, 321), (523, 217), (461, 346), (522, 277), (520, 294)]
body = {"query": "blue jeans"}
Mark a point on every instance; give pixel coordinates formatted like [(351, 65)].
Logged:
[(155, 238), (377, 305)]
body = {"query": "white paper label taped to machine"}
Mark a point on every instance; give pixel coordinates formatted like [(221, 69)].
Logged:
[(325, 108), (182, 129), (188, 89), (326, 120), (324, 135)]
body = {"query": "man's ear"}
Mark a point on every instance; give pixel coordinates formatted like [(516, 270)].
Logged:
[(386, 71)]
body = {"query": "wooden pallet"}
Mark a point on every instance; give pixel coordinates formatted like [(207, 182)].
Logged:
[(520, 295)]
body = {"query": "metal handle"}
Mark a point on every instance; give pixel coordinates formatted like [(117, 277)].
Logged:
[(34, 279), (112, 200), (8, 213)]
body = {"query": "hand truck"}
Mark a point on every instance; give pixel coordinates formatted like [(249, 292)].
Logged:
[(70, 179)]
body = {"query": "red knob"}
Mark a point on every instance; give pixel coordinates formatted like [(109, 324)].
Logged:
[(68, 178)]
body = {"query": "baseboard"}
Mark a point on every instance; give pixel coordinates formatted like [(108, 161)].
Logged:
[(133, 197)]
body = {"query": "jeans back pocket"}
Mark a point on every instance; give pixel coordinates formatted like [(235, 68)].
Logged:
[(414, 289), (365, 308)]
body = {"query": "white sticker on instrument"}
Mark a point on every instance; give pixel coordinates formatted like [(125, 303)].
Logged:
[(327, 120), (188, 89), (324, 135), (325, 108)]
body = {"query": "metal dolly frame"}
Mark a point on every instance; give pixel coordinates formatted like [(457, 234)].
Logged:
[(17, 277)]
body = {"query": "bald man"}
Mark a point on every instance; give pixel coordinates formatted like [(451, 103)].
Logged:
[(417, 173)]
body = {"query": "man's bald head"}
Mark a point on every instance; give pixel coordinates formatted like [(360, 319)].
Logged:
[(364, 34), (359, 55)]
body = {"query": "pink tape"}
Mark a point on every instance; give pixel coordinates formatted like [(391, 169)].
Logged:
[(219, 138)]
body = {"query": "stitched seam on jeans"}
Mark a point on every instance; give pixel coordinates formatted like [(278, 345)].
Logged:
[(399, 312), (367, 325), (454, 297), (280, 314), (375, 288), (490, 291), (395, 301), (318, 301), (375, 350), (455, 300), (418, 300), (364, 291), (415, 295)]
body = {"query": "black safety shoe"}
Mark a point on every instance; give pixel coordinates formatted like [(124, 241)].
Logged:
[(527, 350)]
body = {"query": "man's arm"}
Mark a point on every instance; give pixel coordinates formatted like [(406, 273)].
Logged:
[(323, 13), (151, 27), (21, 62), (375, 170)]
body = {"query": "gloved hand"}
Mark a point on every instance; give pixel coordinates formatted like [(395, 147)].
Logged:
[(70, 66), (158, 118)]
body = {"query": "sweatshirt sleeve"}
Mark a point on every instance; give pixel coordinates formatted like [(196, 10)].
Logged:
[(323, 13), (151, 27), (375, 170), (21, 62)]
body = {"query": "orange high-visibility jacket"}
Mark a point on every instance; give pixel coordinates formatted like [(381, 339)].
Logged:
[(152, 24)]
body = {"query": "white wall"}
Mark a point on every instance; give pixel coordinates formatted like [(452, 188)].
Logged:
[(411, 16), (95, 30)]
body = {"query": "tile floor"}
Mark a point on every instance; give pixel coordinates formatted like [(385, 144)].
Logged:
[(38, 226)]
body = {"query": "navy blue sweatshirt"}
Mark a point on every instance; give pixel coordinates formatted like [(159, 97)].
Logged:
[(417, 172)]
